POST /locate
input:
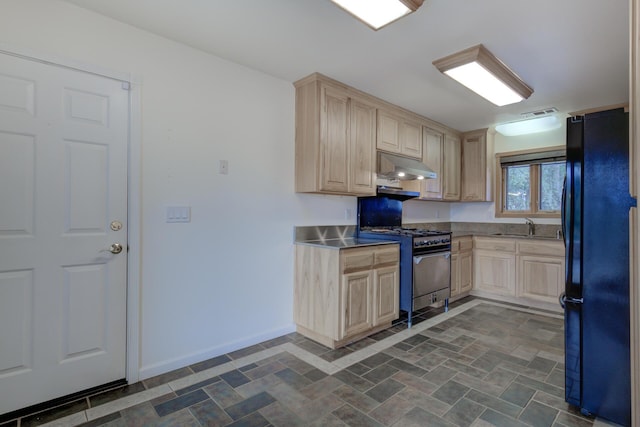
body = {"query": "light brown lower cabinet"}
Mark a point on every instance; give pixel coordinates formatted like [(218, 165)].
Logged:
[(526, 269), (343, 295), (461, 266)]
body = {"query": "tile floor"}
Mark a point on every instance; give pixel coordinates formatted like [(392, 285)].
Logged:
[(480, 364)]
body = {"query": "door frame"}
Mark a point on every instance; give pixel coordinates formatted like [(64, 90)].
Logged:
[(134, 217)]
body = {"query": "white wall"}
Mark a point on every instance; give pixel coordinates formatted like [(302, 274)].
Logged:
[(225, 280), (485, 211)]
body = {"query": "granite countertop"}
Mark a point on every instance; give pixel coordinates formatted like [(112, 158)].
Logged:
[(507, 236), (344, 243)]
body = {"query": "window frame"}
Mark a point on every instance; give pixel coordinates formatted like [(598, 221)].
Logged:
[(534, 176)]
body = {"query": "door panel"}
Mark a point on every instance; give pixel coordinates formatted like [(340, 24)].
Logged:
[(63, 169)]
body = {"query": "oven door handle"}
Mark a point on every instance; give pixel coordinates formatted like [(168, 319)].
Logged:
[(417, 259)]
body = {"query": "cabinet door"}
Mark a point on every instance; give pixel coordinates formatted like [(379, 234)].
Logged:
[(334, 136), (362, 148), (474, 167), (455, 275), (465, 272), (386, 290), (451, 168), (495, 272), (356, 307), (540, 278), (411, 139), (388, 132), (432, 157)]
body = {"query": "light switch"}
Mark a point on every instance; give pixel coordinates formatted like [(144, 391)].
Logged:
[(178, 214)]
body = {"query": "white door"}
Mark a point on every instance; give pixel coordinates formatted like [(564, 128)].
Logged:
[(63, 194)]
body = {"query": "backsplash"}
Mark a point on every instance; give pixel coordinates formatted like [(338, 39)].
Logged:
[(541, 230)]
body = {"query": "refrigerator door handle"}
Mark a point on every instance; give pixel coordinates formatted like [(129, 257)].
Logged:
[(562, 212), (564, 299)]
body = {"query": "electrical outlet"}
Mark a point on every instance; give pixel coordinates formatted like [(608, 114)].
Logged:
[(224, 167), (178, 214)]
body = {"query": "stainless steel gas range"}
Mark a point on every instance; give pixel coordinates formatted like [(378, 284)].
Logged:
[(425, 255)]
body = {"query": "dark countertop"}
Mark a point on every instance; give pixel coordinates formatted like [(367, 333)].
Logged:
[(344, 243)]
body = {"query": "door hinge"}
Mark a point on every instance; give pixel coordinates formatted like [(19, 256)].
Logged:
[(126, 86)]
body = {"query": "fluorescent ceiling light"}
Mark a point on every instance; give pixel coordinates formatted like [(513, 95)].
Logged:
[(479, 70), (522, 127), (378, 13)]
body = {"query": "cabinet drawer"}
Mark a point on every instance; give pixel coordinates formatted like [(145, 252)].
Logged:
[(389, 255), (497, 244), (541, 248), (356, 259), (466, 244)]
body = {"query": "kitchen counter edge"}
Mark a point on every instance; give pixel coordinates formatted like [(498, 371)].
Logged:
[(345, 243)]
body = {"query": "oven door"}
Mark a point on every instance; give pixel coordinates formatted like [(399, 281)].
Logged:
[(431, 274)]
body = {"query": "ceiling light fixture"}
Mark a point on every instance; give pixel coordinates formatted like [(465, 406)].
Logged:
[(378, 13), (479, 70), (523, 127)]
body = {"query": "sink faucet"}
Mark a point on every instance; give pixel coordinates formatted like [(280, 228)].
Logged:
[(532, 226)]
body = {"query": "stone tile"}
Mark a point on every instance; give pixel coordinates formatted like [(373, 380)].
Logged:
[(355, 418), (276, 341), (321, 388), (312, 347), (402, 346), (424, 349), (289, 397), (182, 418), (500, 377), (360, 344), (440, 375), (415, 340), (494, 403), (376, 360), (518, 394), (556, 378), (407, 367), (165, 378), (264, 370), (391, 410), (111, 420), (196, 386), (464, 412), (424, 401), (279, 415), (538, 415), (569, 420), (358, 368), (431, 361), (356, 399), (247, 406), (258, 386), (539, 385), (235, 355), (354, 380), (208, 413), (385, 390), (541, 364), (223, 394), (210, 363), (564, 408), (450, 392), (328, 420), (380, 373), (315, 375), (299, 366), (418, 417), (234, 378), (465, 369), (180, 402), (499, 420), (319, 408), (419, 384), (114, 394), (254, 419), (54, 413), (477, 384), (293, 379)]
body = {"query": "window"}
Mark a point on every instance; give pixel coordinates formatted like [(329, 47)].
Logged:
[(530, 183)]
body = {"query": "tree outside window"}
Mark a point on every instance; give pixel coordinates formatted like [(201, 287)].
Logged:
[(531, 183)]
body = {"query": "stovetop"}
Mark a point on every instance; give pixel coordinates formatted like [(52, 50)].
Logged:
[(400, 231)]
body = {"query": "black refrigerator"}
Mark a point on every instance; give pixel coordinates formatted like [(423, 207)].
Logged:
[(595, 220)]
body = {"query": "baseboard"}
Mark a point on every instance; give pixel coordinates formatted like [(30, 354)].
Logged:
[(186, 360), (524, 302)]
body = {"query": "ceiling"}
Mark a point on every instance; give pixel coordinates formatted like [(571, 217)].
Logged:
[(573, 53)]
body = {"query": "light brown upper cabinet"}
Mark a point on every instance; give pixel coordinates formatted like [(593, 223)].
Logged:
[(451, 168), (399, 134), (432, 156), (335, 139), (474, 167)]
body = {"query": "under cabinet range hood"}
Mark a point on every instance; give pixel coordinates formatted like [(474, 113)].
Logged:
[(403, 168)]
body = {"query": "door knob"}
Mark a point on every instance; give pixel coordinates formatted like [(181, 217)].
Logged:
[(115, 248)]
